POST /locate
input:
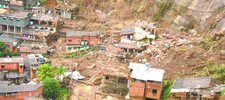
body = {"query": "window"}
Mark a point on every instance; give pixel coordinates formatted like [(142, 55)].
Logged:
[(69, 40), (3, 67), (18, 20), (11, 19), (154, 91), (21, 66), (107, 77), (4, 18), (122, 80), (51, 29), (69, 48)]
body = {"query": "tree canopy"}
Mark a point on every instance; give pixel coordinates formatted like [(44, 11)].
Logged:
[(45, 71), (51, 88)]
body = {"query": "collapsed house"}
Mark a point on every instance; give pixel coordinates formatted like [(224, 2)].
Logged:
[(132, 47), (19, 92), (80, 40), (145, 82), (145, 30), (127, 33), (202, 88)]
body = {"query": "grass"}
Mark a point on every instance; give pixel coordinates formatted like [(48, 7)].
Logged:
[(163, 8), (79, 53)]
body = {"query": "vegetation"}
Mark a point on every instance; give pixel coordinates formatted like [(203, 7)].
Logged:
[(45, 71), (208, 43), (163, 8), (51, 88), (166, 89), (4, 50), (217, 70)]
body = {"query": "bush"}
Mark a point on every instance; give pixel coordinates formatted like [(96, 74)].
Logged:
[(166, 89)]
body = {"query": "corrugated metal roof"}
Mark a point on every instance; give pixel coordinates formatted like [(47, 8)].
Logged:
[(18, 88), (144, 72), (8, 38), (72, 33), (127, 30), (15, 14), (193, 83)]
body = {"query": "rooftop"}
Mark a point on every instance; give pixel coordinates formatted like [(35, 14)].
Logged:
[(15, 14), (72, 33), (43, 17), (8, 39), (19, 60), (144, 72), (18, 88), (131, 45), (127, 30), (185, 84)]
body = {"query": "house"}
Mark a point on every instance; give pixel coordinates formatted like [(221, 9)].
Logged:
[(14, 22), (127, 33), (145, 30), (65, 10), (145, 82), (194, 88), (24, 51), (11, 42), (19, 92), (21, 4), (132, 47), (11, 69), (41, 21), (80, 40)]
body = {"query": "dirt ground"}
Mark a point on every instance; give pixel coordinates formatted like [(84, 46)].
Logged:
[(183, 58)]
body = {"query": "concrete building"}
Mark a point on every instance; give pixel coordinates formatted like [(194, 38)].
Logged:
[(14, 22), (145, 82), (80, 40)]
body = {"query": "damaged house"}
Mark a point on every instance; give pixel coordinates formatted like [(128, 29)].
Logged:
[(145, 31), (145, 82), (127, 33), (21, 4), (194, 88), (80, 40), (132, 47), (114, 83)]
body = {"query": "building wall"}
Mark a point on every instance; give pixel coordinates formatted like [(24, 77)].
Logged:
[(179, 95), (23, 95), (151, 88), (11, 67), (94, 40), (75, 48), (74, 40), (14, 7), (14, 21), (137, 90)]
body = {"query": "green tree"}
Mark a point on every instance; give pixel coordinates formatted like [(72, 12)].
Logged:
[(45, 71), (2, 46), (59, 70), (51, 88)]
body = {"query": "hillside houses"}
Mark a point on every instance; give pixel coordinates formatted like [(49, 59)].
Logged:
[(80, 40)]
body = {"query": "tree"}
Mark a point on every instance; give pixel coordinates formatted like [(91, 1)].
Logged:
[(45, 71), (51, 88), (59, 70), (2, 46)]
